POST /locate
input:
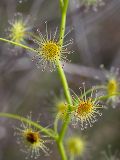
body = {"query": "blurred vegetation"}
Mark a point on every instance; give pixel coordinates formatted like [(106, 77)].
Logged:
[(25, 88)]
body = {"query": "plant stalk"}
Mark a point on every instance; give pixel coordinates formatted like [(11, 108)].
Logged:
[(42, 129), (64, 81)]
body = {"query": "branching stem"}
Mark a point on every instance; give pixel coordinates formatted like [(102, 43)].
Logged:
[(42, 129)]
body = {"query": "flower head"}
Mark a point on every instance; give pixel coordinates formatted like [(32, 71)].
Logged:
[(18, 28), (86, 109), (75, 146), (49, 50), (61, 108), (33, 141), (112, 85)]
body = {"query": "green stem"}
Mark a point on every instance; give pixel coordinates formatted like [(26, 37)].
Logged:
[(63, 21), (107, 96), (56, 123), (42, 129), (18, 44), (64, 128), (63, 80), (60, 69), (64, 83), (61, 4), (62, 150)]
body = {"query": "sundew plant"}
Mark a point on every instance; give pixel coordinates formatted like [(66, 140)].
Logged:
[(50, 51)]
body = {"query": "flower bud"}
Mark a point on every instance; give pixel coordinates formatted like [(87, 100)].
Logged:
[(75, 146)]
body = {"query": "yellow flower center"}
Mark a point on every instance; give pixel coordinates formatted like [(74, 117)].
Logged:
[(18, 31), (51, 51), (32, 137), (84, 107), (112, 86)]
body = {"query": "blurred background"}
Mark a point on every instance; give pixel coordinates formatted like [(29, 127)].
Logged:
[(25, 88)]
